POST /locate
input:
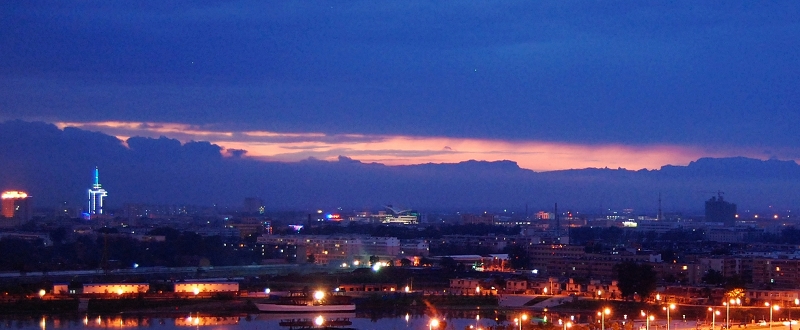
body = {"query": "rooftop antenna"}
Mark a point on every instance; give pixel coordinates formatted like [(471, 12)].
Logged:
[(660, 215)]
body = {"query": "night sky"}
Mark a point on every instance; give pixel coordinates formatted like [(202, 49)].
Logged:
[(550, 85)]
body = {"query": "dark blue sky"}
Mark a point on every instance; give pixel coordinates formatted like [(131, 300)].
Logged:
[(696, 78)]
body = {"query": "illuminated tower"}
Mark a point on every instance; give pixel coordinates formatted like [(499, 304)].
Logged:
[(15, 205), (96, 195)]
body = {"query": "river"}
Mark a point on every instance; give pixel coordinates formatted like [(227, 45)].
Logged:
[(242, 321)]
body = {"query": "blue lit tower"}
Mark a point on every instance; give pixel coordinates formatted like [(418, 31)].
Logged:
[(96, 195)]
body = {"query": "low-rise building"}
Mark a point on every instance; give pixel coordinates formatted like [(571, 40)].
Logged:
[(471, 286), (205, 287), (368, 287), (115, 288)]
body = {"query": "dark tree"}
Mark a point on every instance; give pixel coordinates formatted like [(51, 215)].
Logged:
[(169, 234), (58, 235), (518, 257), (713, 277), (635, 279), (425, 261), (107, 230), (448, 263), (738, 281)]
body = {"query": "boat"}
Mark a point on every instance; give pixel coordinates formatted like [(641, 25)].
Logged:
[(304, 302)]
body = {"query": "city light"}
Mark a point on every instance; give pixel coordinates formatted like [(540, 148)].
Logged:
[(667, 308), (771, 308), (11, 194), (714, 314), (96, 195), (602, 315)]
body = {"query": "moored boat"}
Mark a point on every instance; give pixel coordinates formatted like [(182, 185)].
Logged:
[(304, 301)]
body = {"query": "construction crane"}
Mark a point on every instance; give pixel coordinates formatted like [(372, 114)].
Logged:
[(718, 192)]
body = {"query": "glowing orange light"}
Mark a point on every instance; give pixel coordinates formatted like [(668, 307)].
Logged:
[(13, 194)]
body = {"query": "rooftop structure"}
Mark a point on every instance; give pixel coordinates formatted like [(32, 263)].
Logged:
[(96, 195), (718, 210), (15, 205)]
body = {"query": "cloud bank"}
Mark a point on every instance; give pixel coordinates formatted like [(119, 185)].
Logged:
[(55, 165), (409, 150)]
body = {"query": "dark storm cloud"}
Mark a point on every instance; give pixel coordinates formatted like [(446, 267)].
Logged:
[(721, 75), (56, 165)]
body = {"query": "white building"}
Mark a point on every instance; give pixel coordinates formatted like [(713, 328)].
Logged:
[(96, 195)]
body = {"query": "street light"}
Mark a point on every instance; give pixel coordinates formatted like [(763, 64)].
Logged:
[(796, 302), (771, 308), (728, 311), (647, 319), (603, 314), (522, 319), (434, 324), (477, 319), (567, 325), (714, 314), (671, 306)]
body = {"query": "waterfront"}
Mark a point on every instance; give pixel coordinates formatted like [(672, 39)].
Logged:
[(241, 321), (456, 320)]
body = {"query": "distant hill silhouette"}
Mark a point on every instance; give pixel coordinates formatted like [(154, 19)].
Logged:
[(55, 165)]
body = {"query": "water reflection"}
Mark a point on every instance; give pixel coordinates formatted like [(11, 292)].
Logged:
[(116, 322), (193, 321), (382, 320)]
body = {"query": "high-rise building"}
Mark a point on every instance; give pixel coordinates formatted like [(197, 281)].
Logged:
[(718, 210), (16, 205), (96, 195)]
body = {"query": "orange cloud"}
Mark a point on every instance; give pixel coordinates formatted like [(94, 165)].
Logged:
[(407, 150)]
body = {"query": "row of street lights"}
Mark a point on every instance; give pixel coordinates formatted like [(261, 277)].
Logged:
[(434, 323)]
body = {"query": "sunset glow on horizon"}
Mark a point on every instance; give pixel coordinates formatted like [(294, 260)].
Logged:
[(409, 150)]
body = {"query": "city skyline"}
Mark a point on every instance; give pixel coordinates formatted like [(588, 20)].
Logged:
[(550, 86)]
